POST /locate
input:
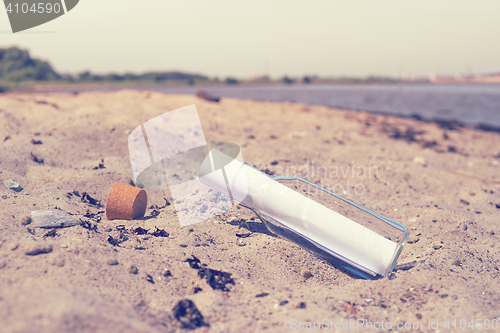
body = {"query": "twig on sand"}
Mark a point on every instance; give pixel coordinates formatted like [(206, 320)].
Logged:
[(476, 177)]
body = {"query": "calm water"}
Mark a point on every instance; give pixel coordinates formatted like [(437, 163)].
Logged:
[(472, 104)]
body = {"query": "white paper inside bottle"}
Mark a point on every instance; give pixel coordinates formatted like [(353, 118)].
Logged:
[(341, 236)]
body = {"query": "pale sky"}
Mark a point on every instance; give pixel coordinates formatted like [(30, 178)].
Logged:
[(276, 37)]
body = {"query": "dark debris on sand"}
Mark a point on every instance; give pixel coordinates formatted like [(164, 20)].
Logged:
[(88, 199), (51, 233), (188, 315), (36, 159), (140, 231), (160, 233), (216, 279)]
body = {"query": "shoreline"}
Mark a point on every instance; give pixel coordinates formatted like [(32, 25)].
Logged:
[(450, 123)]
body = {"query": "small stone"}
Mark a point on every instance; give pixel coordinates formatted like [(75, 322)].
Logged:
[(392, 276), (412, 239), (456, 262), (302, 305), (112, 262), (240, 242), (437, 245), (306, 274), (39, 249), (149, 278), (3, 263), (283, 302), (133, 270), (167, 273), (183, 245), (26, 220), (418, 315), (420, 160), (9, 183), (53, 219), (58, 261)]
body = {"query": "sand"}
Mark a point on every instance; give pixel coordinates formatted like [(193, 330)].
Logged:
[(442, 183)]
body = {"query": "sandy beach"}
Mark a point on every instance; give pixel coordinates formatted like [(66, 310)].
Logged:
[(443, 184)]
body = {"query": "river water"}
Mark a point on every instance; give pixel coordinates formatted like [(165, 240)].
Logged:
[(471, 104)]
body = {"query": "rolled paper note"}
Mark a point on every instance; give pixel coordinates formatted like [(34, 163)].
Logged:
[(329, 230), (126, 202)]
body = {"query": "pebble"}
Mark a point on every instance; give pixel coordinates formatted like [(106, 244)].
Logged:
[(437, 245), (306, 274), (39, 249), (392, 276), (26, 220), (302, 305), (240, 242), (296, 134), (112, 262), (133, 270), (53, 219), (9, 183), (420, 160), (413, 239)]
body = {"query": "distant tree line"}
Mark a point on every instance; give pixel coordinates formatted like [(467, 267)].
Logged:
[(16, 65), (149, 76)]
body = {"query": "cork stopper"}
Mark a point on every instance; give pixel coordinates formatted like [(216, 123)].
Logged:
[(125, 202)]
